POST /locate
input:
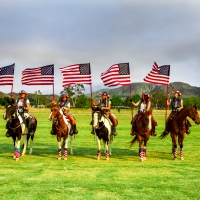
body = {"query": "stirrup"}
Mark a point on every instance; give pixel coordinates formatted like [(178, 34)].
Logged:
[(52, 133), (188, 131), (8, 134), (154, 134), (114, 133)]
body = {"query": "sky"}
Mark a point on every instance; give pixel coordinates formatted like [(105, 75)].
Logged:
[(100, 32)]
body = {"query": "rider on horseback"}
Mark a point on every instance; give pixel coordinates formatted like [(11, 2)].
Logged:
[(144, 105), (65, 106), (27, 119), (177, 104), (105, 105)]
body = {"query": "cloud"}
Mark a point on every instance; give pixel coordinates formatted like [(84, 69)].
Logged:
[(38, 33)]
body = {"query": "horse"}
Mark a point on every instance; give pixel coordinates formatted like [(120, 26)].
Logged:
[(102, 127), (178, 128), (62, 129), (17, 128), (143, 132)]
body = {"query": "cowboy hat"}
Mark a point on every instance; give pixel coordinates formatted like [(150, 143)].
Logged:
[(177, 91)]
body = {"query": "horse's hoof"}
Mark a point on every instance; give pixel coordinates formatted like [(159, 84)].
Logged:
[(14, 157), (59, 158), (144, 158), (17, 159), (107, 158), (65, 158), (182, 158), (98, 158), (141, 159), (174, 158), (23, 154)]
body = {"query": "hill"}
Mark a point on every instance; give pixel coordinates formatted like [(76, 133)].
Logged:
[(137, 88)]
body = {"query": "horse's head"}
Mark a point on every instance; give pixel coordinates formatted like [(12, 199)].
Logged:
[(55, 110), (193, 114), (146, 117), (10, 110)]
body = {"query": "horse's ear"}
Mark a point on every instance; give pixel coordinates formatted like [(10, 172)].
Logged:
[(11, 101), (53, 103), (195, 106)]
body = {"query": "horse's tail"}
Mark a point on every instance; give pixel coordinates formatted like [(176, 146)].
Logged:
[(133, 141), (163, 135)]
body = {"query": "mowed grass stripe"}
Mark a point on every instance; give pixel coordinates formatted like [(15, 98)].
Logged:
[(42, 176)]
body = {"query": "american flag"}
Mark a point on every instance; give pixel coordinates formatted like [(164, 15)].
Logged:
[(76, 74), (38, 76), (158, 75), (118, 74), (7, 75)]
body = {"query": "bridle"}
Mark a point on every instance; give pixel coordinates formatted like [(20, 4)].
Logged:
[(14, 115)]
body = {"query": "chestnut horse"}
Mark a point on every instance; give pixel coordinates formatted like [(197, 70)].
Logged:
[(178, 128), (17, 129), (143, 132), (102, 127), (62, 130)]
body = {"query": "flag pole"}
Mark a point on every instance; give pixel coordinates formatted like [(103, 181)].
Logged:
[(53, 92), (11, 92), (132, 107), (166, 106)]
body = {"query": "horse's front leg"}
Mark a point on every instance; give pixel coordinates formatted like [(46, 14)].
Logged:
[(141, 153), (17, 149), (144, 148), (59, 147), (65, 148), (180, 141), (99, 148), (174, 145), (106, 149), (25, 145)]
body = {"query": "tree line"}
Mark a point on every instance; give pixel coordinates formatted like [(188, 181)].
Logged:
[(80, 100)]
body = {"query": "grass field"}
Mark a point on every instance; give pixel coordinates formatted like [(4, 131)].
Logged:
[(123, 176)]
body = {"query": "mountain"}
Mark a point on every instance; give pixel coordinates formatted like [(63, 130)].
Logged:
[(137, 88)]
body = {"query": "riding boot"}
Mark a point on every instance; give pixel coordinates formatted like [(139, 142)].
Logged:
[(187, 130), (93, 131), (8, 134), (133, 130), (113, 131), (153, 133), (31, 131), (52, 132), (167, 127), (75, 131)]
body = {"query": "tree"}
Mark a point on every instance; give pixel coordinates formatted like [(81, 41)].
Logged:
[(39, 98), (116, 101), (158, 98), (83, 101), (74, 91)]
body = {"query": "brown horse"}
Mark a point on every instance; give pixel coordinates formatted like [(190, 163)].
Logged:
[(62, 130), (178, 128), (143, 131), (17, 128)]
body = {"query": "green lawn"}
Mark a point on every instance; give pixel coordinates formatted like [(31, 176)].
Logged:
[(123, 176)]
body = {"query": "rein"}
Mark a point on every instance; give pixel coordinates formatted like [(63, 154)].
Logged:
[(15, 117), (58, 118), (99, 117)]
